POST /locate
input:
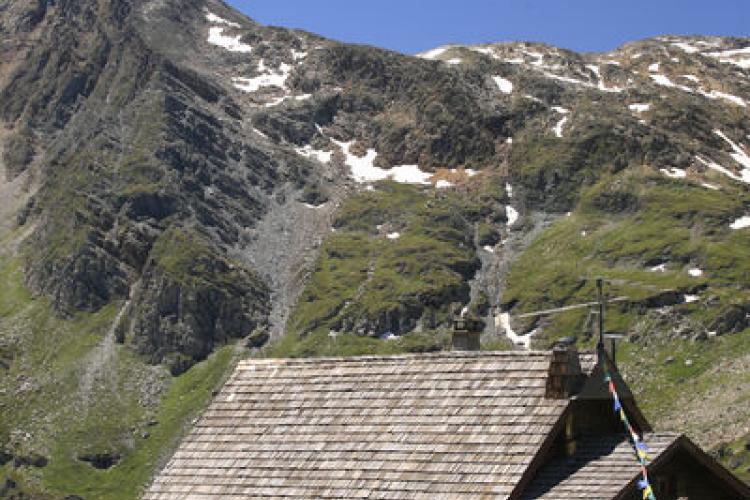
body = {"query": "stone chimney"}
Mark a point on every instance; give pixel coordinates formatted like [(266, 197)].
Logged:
[(466, 334), (565, 377)]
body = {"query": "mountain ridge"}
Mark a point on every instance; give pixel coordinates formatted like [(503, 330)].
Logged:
[(186, 184)]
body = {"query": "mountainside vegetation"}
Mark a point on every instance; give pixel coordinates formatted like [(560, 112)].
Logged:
[(181, 187)]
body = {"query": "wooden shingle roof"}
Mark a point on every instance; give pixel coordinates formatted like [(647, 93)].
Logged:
[(447, 425), (602, 465)]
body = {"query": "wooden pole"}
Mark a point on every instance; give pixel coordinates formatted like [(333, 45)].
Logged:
[(600, 299)]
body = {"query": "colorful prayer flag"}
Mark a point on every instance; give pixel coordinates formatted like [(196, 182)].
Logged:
[(640, 447)]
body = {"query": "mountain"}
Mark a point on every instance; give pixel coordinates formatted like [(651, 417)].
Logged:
[(183, 186)]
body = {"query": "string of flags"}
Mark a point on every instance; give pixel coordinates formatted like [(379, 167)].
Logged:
[(641, 450)]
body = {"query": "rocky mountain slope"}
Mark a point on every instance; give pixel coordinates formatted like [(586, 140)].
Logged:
[(182, 186)]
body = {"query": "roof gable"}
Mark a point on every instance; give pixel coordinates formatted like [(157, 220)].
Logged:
[(601, 464), (694, 463), (444, 425), (449, 425), (595, 389)]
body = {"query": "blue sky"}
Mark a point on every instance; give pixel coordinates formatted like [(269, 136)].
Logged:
[(411, 26)]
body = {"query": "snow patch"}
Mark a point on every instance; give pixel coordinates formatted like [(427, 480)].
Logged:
[(663, 80), (738, 57), (536, 55), (484, 50), (488, 249), (600, 81), (558, 128), (715, 94), (654, 68), (709, 186), (639, 108), (674, 173), (298, 55), (661, 268), (214, 19), (690, 49), (739, 155), (364, 171), (509, 190), (260, 133), (231, 43), (276, 101), (408, 174), (309, 152), (505, 86), (393, 236), (511, 214), (581, 83), (595, 69), (695, 272), (741, 223), (434, 53), (454, 61), (519, 340), (715, 166), (689, 299), (692, 78), (362, 168), (268, 78)]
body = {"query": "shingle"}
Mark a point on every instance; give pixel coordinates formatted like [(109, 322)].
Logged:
[(449, 425), (601, 464)]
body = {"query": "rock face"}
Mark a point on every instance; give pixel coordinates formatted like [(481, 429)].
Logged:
[(188, 301), (150, 118), (218, 179), (135, 142)]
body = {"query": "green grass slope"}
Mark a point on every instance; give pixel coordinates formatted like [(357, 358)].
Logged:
[(399, 258), (64, 396), (686, 361)]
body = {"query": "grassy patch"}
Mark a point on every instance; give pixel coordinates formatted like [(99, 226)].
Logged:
[(400, 256), (660, 372), (707, 381), (319, 343), (624, 226), (190, 259), (54, 402), (681, 225), (187, 396), (736, 457)]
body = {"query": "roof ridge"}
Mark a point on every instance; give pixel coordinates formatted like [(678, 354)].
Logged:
[(395, 357)]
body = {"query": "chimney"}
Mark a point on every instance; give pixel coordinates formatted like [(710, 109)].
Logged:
[(466, 334), (565, 377)]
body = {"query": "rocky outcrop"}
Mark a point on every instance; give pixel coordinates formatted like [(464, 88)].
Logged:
[(190, 300), (138, 124), (17, 153), (732, 318)]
